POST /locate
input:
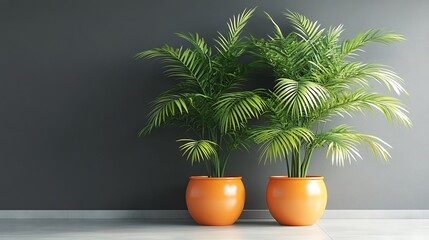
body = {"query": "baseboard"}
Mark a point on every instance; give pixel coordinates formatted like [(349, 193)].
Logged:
[(94, 214), (376, 214), (183, 214)]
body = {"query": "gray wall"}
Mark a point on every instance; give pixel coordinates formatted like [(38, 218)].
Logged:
[(73, 99)]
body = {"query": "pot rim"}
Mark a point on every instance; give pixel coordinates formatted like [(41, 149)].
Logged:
[(297, 178), (215, 178)]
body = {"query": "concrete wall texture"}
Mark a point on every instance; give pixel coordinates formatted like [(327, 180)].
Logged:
[(72, 100)]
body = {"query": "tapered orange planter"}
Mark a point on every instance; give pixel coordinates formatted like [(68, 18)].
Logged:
[(215, 201), (296, 201)]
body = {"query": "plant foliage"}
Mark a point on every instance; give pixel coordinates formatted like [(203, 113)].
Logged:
[(318, 78), (208, 99)]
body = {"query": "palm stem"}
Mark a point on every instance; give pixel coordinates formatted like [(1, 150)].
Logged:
[(306, 162), (206, 164), (225, 163), (287, 166), (296, 170)]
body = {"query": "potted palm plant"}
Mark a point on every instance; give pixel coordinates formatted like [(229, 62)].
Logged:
[(317, 78), (209, 102)]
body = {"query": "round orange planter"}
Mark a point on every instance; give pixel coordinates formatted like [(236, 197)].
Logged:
[(215, 201), (296, 201)]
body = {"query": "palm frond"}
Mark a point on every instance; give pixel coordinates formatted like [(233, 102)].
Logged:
[(184, 64), (200, 46), (341, 145), (300, 97), (347, 76), (391, 108), (307, 29), (164, 107), (236, 25), (234, 109), (238, 140), (275, 112), (198, 42), (377, 145), (353, 74), (333, 35), (351, 46), (287, 56), (198, 150), (342, 142), (385, 76), (320, 73), (169, 106), (276, 142), (277, 31)]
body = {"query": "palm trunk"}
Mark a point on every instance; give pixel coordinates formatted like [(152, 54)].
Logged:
[(225, 162), (296, 166), (287, 166), (306, 161)]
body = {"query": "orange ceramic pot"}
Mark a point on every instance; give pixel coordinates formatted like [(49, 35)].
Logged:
[(296, 201), (215, 201)]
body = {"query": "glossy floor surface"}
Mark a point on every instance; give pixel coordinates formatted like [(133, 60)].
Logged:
[(338, 229)]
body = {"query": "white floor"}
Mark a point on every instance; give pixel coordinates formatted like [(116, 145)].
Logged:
[(338, 229)]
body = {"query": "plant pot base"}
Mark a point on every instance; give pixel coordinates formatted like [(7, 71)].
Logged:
[(215, 201), (296, 201)]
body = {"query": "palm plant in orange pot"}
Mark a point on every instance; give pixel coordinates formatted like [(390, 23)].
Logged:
[(317, 78), (209, 102)]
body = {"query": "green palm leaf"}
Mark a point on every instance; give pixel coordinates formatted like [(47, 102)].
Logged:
[(164, 107), (235, 26), (333, 36), (198, 42), (306, 29), (342, 142), (350, 47), (277, 31), (377, 146), (276, 142), (200, 46), (391, 108), (186, 65), (198, 150), (352, 74), (385, 76), (341, 145), (234, 109), (300, 97)]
